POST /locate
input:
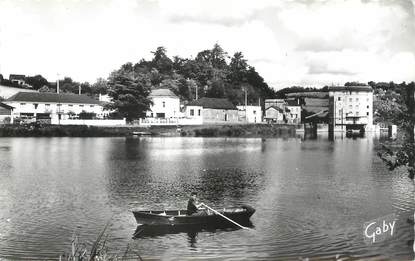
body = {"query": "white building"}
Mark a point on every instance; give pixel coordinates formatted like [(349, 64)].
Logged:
[(52, 105), (250, 113), (274, 114), (212, 111), (165, 104), (351, 107), (293, 111)]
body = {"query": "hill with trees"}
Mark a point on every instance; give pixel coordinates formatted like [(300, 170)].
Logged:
[(212, 73)]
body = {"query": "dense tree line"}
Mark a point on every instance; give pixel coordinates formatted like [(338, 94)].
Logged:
[(212, 73)]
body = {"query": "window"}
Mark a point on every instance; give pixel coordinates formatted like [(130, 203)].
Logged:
[(164, 104), (367, 106), (35, 104), (254, 112), (192, 112), (350, 99), (357, 99), (92, 106), (339, 98), (22, 104), (47, 105), (70, 105), (81, 105), (59, 105), (367, 113), (198, 112)]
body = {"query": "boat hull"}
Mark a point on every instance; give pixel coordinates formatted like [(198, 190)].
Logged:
[(179, 218)]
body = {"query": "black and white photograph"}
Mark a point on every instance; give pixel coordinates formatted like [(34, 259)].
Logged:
[(207, 130)]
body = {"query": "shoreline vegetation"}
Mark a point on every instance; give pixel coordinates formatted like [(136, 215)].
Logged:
[(235, 130)]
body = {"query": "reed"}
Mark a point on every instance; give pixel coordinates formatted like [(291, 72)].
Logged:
[(99, 250)]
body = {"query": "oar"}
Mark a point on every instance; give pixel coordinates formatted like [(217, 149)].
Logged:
[(230, 220)]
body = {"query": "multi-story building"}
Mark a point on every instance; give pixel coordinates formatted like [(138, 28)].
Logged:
[(165, 104), (293, 111), (250, 113), (351, 107), (52, 105)]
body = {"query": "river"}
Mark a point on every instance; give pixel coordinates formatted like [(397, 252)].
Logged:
[(311, 197)]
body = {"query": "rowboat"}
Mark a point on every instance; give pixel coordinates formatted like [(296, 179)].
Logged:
[(179, 218)]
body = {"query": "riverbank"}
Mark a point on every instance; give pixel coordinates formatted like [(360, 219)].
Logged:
[(238, 130)]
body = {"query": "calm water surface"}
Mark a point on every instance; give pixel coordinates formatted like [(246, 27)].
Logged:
[(312, 196)]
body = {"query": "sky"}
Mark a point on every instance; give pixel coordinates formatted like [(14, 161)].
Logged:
[(296, 42)]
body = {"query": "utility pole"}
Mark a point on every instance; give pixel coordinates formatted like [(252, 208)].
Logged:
[(246, 103), (57, 84), (79, 90)]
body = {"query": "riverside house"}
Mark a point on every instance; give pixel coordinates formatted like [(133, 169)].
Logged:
[(250, 113), (165, 104), (293, 111), (351, 107), (274, 114), (6, 112), (212, 111), (35, 105)]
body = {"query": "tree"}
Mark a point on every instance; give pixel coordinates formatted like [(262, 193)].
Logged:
[(45, 88), (37, 81), (86, 88), (160, 60), (354, 84), (238, 68), (100, 86), (68, 85), (404, 155), (129, 92)]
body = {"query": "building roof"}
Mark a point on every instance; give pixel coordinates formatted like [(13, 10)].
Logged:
[(366, 88), (275, 108), (308, 95), (162, 93), (213, 103), (43, 97), (17, 77), (6, 106), (274, 101), (292, 103)]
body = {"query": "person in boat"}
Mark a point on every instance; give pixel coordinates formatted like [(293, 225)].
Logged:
[(193, 208)]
